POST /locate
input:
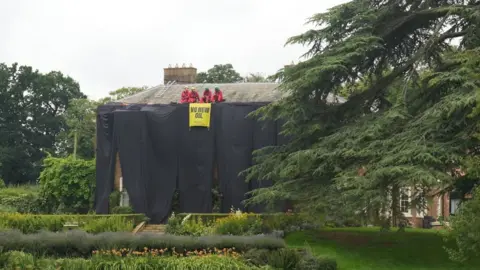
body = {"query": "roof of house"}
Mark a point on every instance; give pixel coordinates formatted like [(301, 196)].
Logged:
[(232, 92)]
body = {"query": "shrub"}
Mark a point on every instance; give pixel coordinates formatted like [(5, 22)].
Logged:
[(310, 262), (187, 226), (20, 260), (465, 228), (284, 258), (68, 184), (108, 224), (28, 223), (122, 210), (238, 223), (270, 222), (278, 259), (22, 199), (78, 243), (2, 184)]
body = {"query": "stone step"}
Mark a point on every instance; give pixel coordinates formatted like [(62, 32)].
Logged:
[(154, 228)]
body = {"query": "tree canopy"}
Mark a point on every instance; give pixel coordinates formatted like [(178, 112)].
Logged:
[(32, 105), (219, 74), (411, 70)]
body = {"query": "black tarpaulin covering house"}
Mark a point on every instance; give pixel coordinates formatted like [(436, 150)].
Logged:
[(159, 153)]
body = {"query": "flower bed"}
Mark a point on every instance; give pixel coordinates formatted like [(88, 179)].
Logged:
[(78, 243), (20, 260)]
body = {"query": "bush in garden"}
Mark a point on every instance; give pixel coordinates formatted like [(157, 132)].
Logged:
[(22, 199), (310, 262), (238, 223), (278, 259), (78, 243), (108, 224), (20, 260), (122, 210), (28, 223), (187, 226), (465, 228), (68, 184), (289, 259)]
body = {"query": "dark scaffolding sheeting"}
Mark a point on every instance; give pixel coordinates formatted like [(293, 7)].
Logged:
[(159, 152), (162, 160), (195, 172), (105, 159), (234, 153), (131, 138)]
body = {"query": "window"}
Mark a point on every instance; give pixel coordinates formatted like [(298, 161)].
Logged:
[(455, 200), (405, 200), (454, 204)]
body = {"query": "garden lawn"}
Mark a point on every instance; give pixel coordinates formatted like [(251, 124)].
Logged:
[(368, 248)]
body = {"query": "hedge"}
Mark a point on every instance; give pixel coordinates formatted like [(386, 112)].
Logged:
[(271, 221), (20, 260), (79, 243), (30, 223)]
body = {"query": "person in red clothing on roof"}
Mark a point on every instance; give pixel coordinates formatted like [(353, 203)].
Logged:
[(193, 97), (185, 95), (207, 96), (218, 95)]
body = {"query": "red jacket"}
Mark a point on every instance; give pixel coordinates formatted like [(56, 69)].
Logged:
[(218, 96), (207, 96), (185, 96), (193, 97)]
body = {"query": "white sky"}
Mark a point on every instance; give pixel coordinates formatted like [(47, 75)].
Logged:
[(107, 44)]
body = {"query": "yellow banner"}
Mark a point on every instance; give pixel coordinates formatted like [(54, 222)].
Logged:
[(199, 114)]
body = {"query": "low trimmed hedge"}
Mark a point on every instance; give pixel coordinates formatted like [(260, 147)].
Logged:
[(30, 223), (79, 243), (20, 260), (263, 223)]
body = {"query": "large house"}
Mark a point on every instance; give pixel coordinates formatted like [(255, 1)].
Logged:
[(238, 95)]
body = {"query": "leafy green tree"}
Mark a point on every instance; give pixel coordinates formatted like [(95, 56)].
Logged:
[(257, 78), (78, 138), (219, 74), (67, 185), (407, 124), (32, 105)]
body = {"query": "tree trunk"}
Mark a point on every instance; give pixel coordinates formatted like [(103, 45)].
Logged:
[(395, 205), (75, 143)]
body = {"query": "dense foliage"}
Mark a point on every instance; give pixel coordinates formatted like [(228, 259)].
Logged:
[(31, 117), (79, 138), (28, 223), (238, 223), (407, 123), (465, 227), (68, 184), (21, 199), (219, 74)]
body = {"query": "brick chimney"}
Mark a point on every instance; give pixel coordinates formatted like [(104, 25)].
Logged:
[(182, 75)]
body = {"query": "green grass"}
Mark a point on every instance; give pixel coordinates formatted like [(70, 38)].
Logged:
[(368, 248)]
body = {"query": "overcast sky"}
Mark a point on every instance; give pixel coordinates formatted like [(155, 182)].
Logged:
[(107, 44)]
